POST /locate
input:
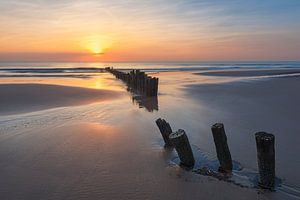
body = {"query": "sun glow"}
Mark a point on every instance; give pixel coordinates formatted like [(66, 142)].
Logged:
[(97, 44), (96, 49)]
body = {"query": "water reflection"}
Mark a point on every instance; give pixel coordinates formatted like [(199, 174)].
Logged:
[(149, 103)]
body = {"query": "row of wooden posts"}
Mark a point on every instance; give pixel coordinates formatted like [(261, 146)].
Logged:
[(264, 144), (138, 81)]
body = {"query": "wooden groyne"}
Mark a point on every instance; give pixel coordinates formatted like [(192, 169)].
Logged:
[(265, 143), (139, 82)]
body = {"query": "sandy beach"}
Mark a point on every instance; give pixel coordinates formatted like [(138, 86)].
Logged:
[(20, 98), (99, 144)]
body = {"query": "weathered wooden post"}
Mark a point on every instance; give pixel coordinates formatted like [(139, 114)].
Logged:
[(165, 130), (266, 159), (156, 86), (148, 87), (222, 149), (182, 145), (153, 80), (143, 84)]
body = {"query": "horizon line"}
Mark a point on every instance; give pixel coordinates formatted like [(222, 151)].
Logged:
[(147, 61)]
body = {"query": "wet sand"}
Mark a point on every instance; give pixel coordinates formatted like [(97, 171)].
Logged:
[(246, 107), (21, 98), (94, 161), (113, 150)]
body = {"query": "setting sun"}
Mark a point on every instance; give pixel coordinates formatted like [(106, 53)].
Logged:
[(96, 44), (96, 49)]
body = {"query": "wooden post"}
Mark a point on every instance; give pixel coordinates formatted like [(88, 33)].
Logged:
[(153, 80), (182, 145), (148, 87), (156, 86), (222, 149), (266, 159), (165, 130)]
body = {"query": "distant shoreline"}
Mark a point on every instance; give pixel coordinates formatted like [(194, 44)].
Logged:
[(250, 72)]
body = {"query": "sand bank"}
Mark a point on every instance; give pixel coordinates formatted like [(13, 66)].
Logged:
[(20, 98), (252, 72)]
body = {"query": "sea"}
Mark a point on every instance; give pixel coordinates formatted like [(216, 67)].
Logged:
[(81, 69)]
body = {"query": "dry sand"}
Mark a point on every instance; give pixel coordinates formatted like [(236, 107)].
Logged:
[(20, 98)]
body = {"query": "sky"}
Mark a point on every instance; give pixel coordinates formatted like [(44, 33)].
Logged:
[(149, 30)]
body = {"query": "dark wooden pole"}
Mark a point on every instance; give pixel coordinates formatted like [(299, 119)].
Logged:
[(156, 86), (222, 149), (165, 130), (266, 159), (182, 145)]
